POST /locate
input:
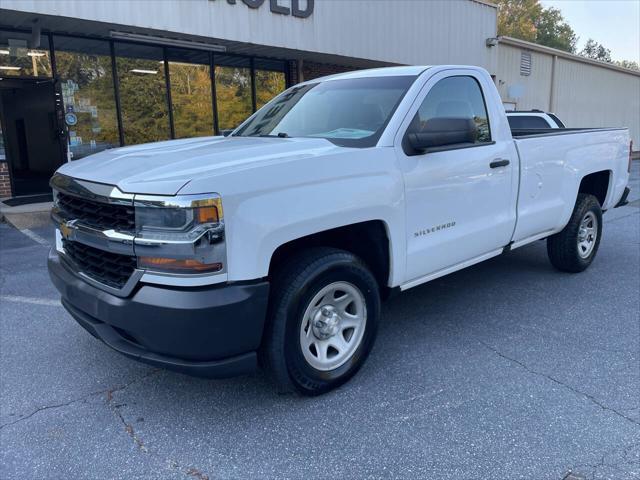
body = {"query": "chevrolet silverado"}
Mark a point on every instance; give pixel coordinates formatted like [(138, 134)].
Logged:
[(274, 245)]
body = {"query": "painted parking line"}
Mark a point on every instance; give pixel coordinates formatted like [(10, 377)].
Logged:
[(31, 300), (35, 237)]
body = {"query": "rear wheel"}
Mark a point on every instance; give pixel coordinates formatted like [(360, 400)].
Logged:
[(574, 248), (323, 319)]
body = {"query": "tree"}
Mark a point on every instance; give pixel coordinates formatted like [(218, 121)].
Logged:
[(528, 20), (552, 31), (516, 18), (628, 64), (596, 51)]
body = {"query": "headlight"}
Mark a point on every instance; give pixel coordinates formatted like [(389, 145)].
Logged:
[(183, 234)]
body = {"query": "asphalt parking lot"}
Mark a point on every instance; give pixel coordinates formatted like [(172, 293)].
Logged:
[(508, 369)]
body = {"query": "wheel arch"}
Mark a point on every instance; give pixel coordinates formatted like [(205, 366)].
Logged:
[(597, 184), (369, 240)]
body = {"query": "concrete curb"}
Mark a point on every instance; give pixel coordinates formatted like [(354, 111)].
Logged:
[(26, 216)]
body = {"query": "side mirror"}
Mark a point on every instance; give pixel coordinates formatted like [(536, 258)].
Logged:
[(441, 132), (227, 132)]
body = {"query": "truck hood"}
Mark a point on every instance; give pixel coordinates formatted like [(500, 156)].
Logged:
[(164, 168)]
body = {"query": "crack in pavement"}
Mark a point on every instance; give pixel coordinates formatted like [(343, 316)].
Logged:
[(193, 472), (589, 397), (624, 461), (114, 408), (108, 391), (128, 428), (48, 407)]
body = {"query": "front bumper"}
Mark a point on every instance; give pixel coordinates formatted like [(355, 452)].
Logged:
[(211, 332)]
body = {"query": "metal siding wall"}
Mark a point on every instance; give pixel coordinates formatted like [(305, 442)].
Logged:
[(592, 96), (585, 95), (394, 31), (537, 86)]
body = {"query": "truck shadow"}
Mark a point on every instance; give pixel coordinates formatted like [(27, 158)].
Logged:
[(463, 300), (432, 363)]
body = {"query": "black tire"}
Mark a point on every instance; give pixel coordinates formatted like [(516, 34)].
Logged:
[(293, 288), (562, 247)]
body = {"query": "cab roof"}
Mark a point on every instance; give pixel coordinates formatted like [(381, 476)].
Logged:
[(413, 70), (374, 72)]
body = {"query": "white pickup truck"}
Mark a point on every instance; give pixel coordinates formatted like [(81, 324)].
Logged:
[(275, 245)]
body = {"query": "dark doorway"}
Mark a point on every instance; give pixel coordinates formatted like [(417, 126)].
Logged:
[(32, 140)]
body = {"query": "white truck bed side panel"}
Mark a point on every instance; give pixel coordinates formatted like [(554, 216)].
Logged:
[(552, 168)]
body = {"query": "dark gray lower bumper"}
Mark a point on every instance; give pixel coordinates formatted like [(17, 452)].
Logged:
[(211, 331)]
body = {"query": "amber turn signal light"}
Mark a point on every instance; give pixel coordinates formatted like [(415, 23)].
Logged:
[(207, 214), (176, 265)]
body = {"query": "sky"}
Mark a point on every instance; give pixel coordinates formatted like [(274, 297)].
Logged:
[(613, 23)]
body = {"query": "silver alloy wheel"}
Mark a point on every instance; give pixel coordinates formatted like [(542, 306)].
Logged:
[(333, 326), (587, 234)]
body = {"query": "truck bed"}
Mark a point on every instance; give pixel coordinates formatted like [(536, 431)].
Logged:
[(552, 162), (545, 132)]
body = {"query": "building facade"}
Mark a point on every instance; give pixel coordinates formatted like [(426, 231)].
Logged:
[(80, 76), (582, 92)]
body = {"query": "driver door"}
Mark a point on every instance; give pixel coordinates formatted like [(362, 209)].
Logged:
[(460, 206)]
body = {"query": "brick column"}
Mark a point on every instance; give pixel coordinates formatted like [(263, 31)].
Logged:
[(5, 185), (311, 70)]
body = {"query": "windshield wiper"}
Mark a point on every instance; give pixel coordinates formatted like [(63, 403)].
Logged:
[(279, 135)]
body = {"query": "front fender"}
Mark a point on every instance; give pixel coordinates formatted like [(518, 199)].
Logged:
[(313, 201)]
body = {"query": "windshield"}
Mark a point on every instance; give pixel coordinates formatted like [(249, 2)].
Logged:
[(351, 112)]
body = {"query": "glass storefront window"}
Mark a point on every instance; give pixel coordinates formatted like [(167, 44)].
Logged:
[(268, 85), (233, 90), (143, 93), (190, 80), (84, 69), (270, 80), (18, 58)]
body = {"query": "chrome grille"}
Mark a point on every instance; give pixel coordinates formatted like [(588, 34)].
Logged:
[(104, 216), (108, 268)]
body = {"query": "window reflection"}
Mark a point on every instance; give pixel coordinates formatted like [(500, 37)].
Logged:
[(18, 59), (84, 69), (190, 80), (268, 85), (143, 95), (233, 91)]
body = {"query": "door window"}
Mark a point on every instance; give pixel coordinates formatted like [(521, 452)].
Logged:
[(455, 97)]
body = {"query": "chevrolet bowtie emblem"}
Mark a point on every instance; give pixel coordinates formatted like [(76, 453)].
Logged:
[(65, 229)]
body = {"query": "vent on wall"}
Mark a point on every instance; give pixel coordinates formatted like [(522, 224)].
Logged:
[(525, 64)]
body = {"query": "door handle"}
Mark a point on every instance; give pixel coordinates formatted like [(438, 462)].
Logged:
[(499, 163)]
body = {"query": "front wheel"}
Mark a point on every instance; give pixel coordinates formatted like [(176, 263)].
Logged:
[(574, 248), (323, 320)]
